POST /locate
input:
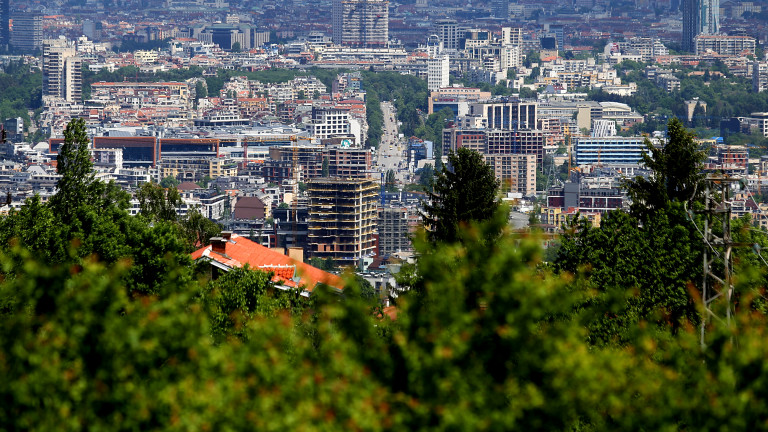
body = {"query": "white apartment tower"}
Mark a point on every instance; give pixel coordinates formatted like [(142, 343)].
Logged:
[(62, 70), (438, 64), (511, 53)]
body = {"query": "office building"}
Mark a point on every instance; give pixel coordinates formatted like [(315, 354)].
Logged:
[(699, 17), (27, 34), (137, 151), (609, 150), (5, 23), (500, 9), (342, 219), (226, 36), (448, 32), (507, 114), (62, 71), (456, 138), (337, 21), (438, 72), (364, 23)]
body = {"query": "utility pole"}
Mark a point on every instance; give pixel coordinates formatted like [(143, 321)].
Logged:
[(717, 282)]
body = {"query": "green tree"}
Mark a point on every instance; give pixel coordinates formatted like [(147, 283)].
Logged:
[(158, 203), (676, 172), (236, 47), (390, 181), (198, 229), (239, 296), (327, 264), (465, 191), (325, 169), (169, 182), (73, 163), (427, 178)]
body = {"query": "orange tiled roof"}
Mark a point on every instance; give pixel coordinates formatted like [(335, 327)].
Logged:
[(239, 251)]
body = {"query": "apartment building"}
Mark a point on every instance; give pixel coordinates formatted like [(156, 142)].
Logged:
[(62, 71), (348, 162), (516, 172), (725, 45), (196, 168), (527, 142)]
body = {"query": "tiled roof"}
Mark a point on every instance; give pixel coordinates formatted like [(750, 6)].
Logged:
[(239, 251)]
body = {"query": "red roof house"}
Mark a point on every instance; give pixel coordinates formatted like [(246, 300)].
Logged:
[(231, 250)]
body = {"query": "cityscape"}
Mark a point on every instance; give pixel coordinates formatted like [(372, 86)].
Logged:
[(415, 214)]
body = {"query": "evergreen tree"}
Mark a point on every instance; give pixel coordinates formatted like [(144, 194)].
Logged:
[(676, 174), (465, 191)]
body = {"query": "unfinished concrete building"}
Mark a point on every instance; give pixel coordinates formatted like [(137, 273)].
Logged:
[(342, 219), (396, 223)]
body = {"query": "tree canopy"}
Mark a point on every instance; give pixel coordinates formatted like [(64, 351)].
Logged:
[(466, 190), (676, 168)]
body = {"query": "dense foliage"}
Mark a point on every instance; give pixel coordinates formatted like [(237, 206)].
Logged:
[(489, 338), (22, 89), (88, 219)]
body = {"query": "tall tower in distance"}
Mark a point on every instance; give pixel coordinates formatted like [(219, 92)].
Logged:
[(364, 23), (337, 21), (699, 17), (27, 34), (5, 23), (62, 71)]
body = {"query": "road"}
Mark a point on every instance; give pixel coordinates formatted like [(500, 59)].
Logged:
[(391, 148)]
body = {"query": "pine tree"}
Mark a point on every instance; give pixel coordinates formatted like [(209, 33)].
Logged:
[(465, 191)]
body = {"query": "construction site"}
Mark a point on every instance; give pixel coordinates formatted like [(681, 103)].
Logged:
[(342, 219)]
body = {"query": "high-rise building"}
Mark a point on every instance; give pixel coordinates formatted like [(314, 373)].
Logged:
[(438, 72), (62, 71), (699, 17), (342, 219), (364, 23), (500, 9), (5, 23), (448, 32), (438, 64), (27, 34), (396, 224), (516, 172), (337, 20)]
